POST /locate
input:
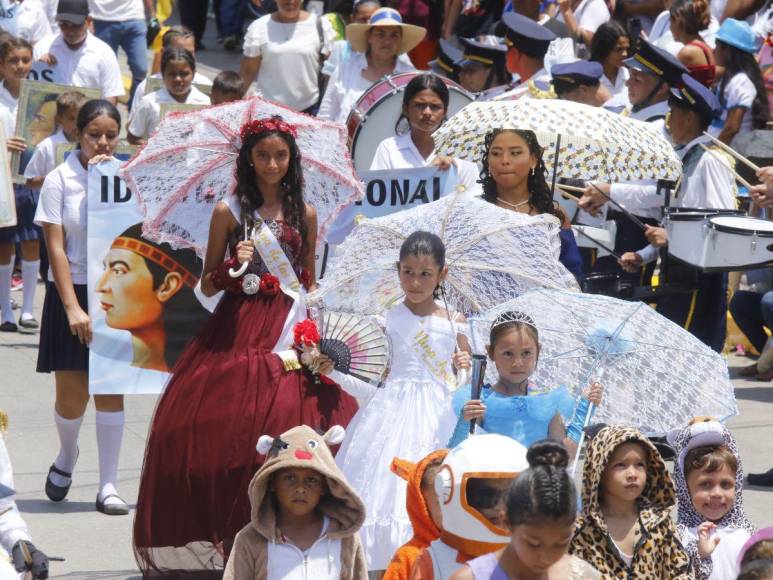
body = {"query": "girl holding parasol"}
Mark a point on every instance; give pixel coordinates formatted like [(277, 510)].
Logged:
[(237, 380)]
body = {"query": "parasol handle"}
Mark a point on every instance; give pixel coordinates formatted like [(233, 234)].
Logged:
[(243, 268)]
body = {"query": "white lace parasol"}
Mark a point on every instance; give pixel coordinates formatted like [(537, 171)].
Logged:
[(492, 255), (656, 375), (188, 165), (595, 143)]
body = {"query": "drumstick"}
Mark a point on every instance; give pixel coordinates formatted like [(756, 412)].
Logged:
[(571, 187), (740, 179), (599, 244), (564, 194), (729, 150), (627, 213)]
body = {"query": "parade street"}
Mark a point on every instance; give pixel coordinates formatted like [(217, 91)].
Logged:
[(96, 547)]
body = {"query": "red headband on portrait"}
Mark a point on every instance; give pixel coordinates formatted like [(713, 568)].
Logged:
[(155, 255), (261, 125)]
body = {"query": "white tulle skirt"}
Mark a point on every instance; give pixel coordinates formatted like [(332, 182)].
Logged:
[(404, 419)]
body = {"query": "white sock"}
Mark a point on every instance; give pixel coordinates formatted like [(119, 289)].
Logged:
[(6, 272), (109, 436), (68, 451), (29, 275)]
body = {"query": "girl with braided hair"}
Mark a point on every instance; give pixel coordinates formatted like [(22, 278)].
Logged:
[(541, 508), (239, 378), (514, 178)]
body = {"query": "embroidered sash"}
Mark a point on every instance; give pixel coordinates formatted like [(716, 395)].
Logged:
[(411, 330), (275, 259)]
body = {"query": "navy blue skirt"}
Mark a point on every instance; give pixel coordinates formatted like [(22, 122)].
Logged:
[(60, 350), (25, 228)]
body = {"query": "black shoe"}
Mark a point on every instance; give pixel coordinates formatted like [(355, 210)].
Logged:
[(28, 324), (112, 509), (8, 327), (231, 42), (762, 479), (53, 491)]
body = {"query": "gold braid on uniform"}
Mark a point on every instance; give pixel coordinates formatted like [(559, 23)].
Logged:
[(3, 421), (537, 93)]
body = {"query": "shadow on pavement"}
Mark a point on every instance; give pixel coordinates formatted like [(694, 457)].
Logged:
[(761, 394), (44, 506), (95, 575)]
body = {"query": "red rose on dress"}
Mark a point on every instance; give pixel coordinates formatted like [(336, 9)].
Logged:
[(269, 285), (305, 334)]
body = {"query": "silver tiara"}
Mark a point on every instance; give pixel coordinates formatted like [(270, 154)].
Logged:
[(512, 316)]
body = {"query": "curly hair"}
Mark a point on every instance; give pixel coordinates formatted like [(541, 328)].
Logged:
[(249, 195), (694, 14), (738, 61), (605, 40), (541, 199)]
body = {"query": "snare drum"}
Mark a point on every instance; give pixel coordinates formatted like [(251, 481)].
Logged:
[(718, 240), (374, 115)]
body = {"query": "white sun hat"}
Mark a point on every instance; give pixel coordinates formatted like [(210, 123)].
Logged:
[(357, 34)]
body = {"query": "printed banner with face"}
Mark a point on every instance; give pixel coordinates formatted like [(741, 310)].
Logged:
[(144, 298)]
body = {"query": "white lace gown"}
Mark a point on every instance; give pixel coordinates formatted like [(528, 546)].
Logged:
[(408, 417)]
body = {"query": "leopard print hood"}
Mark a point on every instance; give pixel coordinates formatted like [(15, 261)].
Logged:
[(701, 434), (658, 497)]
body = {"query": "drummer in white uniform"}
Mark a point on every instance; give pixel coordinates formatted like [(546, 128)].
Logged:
[(707, 183), (528, 43), (425, 104), (653, 73), (377, 45)]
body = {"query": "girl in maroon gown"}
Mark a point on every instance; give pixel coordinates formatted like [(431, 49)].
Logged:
[(231, 385)]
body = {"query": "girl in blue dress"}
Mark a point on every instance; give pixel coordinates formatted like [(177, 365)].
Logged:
[(515, 406)]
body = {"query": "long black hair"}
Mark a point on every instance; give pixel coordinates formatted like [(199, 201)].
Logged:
[(740, 61), (541, 198), (96, 108), (250, 197), (605, 40), (175, 54), (425, 82), (545, 491)]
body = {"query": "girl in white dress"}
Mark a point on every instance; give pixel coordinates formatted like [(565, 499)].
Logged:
[(411, 414)]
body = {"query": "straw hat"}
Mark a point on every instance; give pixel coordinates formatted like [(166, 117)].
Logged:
[(357, 34)]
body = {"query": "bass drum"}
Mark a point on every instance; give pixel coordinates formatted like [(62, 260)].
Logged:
[(374, 115)]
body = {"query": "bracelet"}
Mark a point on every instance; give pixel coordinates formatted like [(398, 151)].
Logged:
[(222, 280), (574, 430)]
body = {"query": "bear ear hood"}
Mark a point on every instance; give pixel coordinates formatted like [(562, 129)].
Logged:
[(705, 432), (305, 448)]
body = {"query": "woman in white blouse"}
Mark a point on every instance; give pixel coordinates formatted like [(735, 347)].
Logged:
[(609, 47), (283, 54), (377, 45), (425, 104)]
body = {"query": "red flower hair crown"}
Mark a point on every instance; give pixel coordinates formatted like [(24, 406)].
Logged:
[(269, 124)]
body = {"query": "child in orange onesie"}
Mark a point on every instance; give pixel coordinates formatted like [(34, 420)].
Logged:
[(423, 508)]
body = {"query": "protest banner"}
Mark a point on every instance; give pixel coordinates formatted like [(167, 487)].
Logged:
[(144, 300)]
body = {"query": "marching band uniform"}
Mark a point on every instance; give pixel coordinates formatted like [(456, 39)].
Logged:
[(531, 39), (640, 197), (491, 54), (707, 182), (446, 64)]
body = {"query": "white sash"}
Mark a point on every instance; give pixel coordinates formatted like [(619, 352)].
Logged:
[(411, 331), (275, 259)]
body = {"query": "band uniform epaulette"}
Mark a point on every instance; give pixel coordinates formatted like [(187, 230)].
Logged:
[(536, 91), (3, 421)]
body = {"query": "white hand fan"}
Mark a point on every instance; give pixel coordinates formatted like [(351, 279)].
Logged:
[(358, 345)]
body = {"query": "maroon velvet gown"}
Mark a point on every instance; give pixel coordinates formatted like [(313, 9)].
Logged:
[(227, 389)]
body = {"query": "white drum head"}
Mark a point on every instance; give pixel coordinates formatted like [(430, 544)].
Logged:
[(742, 225)]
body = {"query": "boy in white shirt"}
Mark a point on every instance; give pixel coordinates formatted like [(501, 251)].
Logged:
[(79, 58)]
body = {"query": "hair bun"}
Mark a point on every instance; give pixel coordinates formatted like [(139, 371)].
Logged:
[(547, 453)]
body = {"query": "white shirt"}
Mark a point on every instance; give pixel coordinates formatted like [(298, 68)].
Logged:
[(589, 14), (11, 105), (145, 118), (43, 160), (117, 10), (617, 86), (709, 184), (724, 558), (400, 152), (8, 121), (342, 50), (12, 526), (739, 93), (93, 65), (321, 561), (290, 58), (63, 202), (347, 85), (32, 22), (198, 79)]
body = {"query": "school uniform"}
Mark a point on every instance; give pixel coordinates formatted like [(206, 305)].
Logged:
[(43, 160), (32, 22), (139, 92), (92, 65), (146, 117), (738, 93), (63, 202)]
